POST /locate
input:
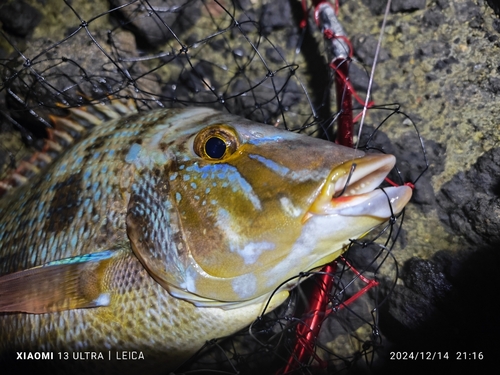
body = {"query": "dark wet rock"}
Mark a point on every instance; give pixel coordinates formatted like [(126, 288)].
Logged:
[(176, 93), (400, 6), (199, 78), (443, 4), (447, 306), (476, 22), (19, 18), (397, 6), (425, 278), (433, 48), (275, 54), (430, 77), (276, 15), (364, 49), (266, 92), (363, 257), (445, 63), (360, 78), (375, 6), (412, 165), (433, 17), (246, 24), (494, 84), (243, 4), (468, 11), (409, 309), (469, 203), (3, 53), (495, 5), (493, 38), (376, 139), (148, 24)]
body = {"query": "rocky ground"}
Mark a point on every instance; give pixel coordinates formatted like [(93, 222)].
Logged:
[(439, 61), (443, 68)]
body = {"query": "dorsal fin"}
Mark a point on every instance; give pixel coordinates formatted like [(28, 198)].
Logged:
[(64, 133), (71, 283)]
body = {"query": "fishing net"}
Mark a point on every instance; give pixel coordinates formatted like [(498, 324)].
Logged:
[(264, 60)]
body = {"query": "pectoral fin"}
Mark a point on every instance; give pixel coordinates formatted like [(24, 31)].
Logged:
[(71, 283)]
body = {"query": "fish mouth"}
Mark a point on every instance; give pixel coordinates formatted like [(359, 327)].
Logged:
[(351, 190)]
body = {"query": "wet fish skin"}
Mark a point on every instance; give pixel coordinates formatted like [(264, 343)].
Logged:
[(176, 263)]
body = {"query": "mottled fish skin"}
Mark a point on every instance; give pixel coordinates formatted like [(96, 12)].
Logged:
[(183, 233)]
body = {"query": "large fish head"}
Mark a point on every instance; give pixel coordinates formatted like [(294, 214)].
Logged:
[(250, 206)]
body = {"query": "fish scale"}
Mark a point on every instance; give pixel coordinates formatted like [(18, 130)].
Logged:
[(143, 239)]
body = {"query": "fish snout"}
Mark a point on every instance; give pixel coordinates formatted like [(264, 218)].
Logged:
[(352, 189)]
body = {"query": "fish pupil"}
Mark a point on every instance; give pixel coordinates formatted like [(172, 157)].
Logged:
[(215, 147)]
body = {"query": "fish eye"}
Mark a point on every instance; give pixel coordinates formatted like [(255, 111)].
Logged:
[(216, 142), (215, 147)]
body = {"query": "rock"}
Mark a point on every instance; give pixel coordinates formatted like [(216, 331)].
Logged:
[(458, 316), (364, 49), (470, 203), (402, 6), (265, 92), (276, 15), (495, 5), (19, 18), (157, 24), (376, 6), (426, 278), (433, 17), (61, 76)]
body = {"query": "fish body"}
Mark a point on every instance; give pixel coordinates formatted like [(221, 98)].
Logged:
[(158, 231)]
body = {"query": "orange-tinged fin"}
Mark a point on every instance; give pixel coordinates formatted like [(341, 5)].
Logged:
[(108, 111), (83, 114), (67, 124), (66, 131), (72, 283)]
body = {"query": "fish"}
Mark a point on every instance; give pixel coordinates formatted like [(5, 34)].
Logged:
[(160, 230)]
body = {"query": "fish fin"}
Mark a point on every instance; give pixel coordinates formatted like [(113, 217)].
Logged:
[(65, 130), (72, 283)]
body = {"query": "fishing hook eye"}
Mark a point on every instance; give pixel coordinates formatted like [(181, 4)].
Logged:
[(216, 142)]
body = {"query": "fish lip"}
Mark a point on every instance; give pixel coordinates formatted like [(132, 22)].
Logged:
[(355, 193), (381, 203)]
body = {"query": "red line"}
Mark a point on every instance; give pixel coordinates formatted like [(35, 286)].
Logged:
[(308, 330), (344, 103)]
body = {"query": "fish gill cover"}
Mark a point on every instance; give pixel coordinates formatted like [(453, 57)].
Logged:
[(263, 60)]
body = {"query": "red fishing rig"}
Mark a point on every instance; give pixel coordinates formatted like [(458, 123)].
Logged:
[(339, 53)]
